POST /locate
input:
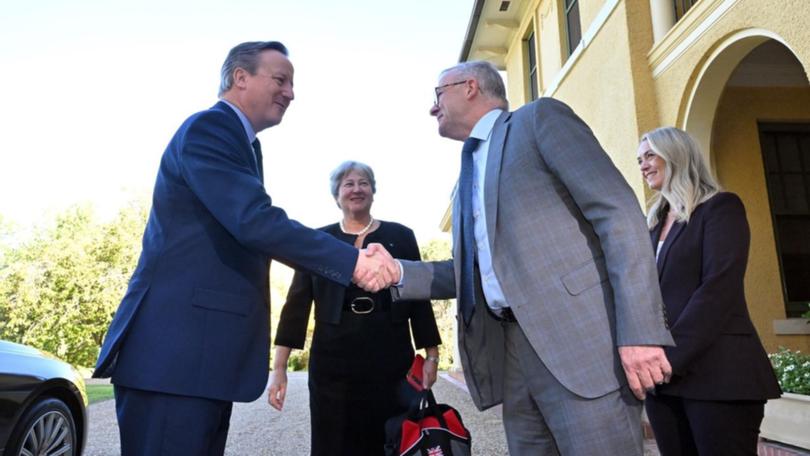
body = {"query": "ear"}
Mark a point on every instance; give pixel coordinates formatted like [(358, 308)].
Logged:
[(471, 89), (240, 76)]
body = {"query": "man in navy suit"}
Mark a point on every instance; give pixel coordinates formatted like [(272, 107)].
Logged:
[(191, 334)]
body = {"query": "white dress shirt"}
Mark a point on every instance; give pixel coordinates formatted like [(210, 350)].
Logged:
[(489, 282)]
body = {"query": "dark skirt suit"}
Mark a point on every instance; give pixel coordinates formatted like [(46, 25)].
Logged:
[(721, 373), (357, 361)]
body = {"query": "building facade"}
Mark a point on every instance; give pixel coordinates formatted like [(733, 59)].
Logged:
[(733, 73)]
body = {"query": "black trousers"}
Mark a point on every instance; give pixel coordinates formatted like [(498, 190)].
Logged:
[(696, 427), (158, 424)]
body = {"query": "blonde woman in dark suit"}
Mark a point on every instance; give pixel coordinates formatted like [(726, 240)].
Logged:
[(721, 373)]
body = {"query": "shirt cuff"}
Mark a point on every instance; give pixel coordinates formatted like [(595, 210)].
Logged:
[(401, 275)]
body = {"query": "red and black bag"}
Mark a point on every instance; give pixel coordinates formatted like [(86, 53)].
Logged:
[(427, 429)]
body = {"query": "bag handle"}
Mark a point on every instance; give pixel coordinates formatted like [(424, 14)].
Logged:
[(433, 407)]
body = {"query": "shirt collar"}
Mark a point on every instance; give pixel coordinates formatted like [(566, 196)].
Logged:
[(483, 128), (245, 122)]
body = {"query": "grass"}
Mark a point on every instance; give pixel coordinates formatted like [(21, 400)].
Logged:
[(98, 393)]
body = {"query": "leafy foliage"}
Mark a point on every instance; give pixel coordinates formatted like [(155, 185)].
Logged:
[(444, 310), (59, 290), (792, 370)]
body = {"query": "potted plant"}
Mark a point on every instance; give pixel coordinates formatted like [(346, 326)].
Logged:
[(787, 419)]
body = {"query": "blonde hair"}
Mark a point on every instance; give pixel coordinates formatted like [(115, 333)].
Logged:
[(687, 179)]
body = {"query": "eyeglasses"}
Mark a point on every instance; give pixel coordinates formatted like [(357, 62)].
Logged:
[(437, 91)]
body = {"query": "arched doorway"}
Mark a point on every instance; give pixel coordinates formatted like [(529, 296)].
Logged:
[(749, 108)]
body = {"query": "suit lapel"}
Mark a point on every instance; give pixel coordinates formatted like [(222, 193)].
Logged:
[(655, 233), (251, 152), (455, 223), (672, 236), (493, 174)]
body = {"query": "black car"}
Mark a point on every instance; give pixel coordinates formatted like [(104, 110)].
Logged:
[(43, 404)]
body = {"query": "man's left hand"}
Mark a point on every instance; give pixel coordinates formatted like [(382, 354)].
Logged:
[(645, 366)]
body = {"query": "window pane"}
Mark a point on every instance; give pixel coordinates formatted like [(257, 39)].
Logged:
[(776, 194), (574, 33), (769, 152), (794, 240), (804, 146), (795, 193), (788, 153), (532, 52)]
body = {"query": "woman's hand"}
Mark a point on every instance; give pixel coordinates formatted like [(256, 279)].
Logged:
[(277, 389), (431, 367)]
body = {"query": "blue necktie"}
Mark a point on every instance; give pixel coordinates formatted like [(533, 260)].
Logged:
[(466, 294), (257, 149)]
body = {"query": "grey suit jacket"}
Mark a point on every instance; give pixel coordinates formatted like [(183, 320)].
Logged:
[(570, 248)]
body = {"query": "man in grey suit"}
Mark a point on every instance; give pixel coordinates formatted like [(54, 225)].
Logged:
[(560, 313)]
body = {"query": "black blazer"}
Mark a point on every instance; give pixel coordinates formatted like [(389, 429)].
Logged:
[(701, 267), (400, 241)]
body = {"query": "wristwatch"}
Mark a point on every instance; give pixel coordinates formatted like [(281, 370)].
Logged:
[(434, 359)]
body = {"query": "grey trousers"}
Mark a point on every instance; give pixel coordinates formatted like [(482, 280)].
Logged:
[(542, 417)]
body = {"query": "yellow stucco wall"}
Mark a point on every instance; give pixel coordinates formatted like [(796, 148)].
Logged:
[(548, 12), (588, 10), (734, 137), (611, 85), (516, 81), (738, 159), (788, 19), (599, 87)]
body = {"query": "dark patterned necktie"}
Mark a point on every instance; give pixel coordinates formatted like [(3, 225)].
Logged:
[(466, 294), (257, 149)]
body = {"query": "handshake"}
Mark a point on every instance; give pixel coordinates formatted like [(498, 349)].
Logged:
[(376, 269)]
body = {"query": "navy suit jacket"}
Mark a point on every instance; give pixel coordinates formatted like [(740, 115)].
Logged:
[(701, 267), (195, 318)]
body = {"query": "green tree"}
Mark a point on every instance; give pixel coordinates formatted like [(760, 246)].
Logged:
[(444, 310), (59, 290)]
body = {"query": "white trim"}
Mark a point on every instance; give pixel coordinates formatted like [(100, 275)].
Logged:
[(693, 37), (597, 24), (791, 326)]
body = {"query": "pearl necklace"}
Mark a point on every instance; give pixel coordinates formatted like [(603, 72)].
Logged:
[(359, 233)]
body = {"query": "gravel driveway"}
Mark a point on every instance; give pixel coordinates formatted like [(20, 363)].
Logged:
[(257, 429)]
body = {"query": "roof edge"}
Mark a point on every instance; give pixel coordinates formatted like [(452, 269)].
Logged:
[(472, 27)]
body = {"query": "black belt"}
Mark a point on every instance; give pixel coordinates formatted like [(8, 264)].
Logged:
[(507, 315), (362, 305)]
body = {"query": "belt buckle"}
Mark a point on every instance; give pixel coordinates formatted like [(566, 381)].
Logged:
[(362, 299)]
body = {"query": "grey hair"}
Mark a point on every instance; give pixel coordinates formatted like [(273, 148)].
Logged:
[(687, 179), (345, 168), (245, 56), (489, 80)]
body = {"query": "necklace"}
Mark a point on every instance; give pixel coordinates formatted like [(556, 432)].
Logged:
[(359, 233)]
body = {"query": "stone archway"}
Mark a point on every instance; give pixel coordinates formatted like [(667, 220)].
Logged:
[(709, 81), (749, 82)]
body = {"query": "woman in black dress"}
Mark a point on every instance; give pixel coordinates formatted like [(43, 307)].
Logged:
[(361, 345), (721, 376)]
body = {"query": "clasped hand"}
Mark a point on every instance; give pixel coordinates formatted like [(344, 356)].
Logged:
[(376, 269), (645, 367)]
